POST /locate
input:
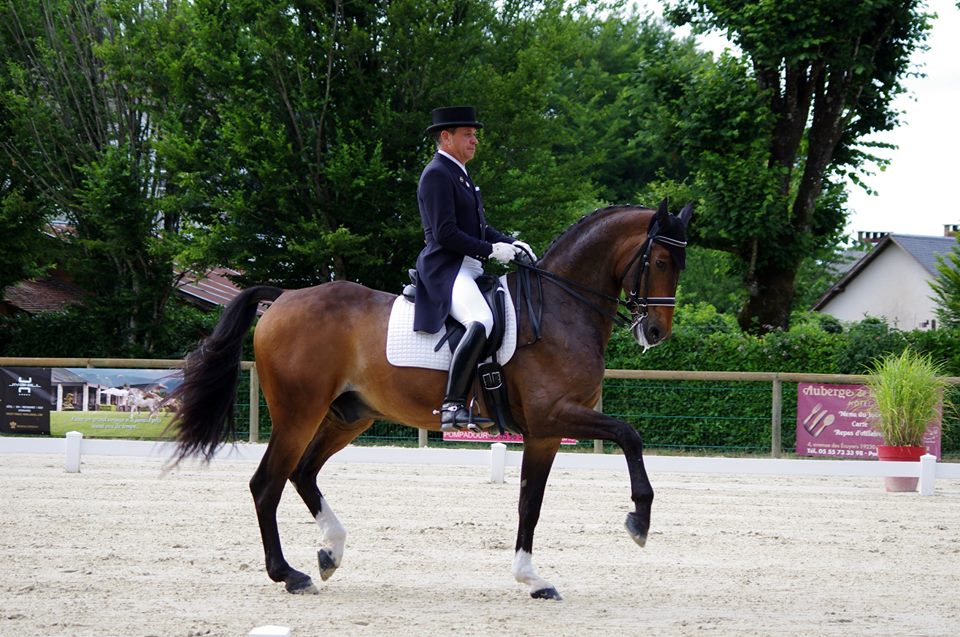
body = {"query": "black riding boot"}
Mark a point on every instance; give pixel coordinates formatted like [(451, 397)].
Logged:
[(454, 413)]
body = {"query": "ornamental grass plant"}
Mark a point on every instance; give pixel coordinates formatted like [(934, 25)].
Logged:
[(908, 389)]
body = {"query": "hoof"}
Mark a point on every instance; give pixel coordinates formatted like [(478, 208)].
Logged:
[(636, 529), (327, 565), (546, 593), (301, 585)]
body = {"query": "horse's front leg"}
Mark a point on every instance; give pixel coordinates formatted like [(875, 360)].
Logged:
[(538, 458), (584, 423)]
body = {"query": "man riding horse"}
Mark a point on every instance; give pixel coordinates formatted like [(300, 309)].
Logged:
[(458, 239), (322, 355)]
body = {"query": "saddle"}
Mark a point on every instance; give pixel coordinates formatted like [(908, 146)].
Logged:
[(490, 372)]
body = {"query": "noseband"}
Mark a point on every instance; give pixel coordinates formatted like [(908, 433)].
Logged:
[(635, 304)]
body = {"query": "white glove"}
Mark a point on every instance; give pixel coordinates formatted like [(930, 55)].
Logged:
[(525, 247), (503, 252)]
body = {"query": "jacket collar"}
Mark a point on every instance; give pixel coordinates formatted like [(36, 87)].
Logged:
[(449, 157)]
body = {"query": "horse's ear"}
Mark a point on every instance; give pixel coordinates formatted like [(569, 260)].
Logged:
[(686, 213), (663, 209)]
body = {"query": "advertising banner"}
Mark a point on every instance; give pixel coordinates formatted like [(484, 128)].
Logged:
[(836, 421), (483, 436), (26, 400), (111, 403)]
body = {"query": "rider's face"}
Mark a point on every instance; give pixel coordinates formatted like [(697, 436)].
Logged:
[(460, 142)]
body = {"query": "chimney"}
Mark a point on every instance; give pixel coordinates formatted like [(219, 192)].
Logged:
[(866, 236), (951, 229)]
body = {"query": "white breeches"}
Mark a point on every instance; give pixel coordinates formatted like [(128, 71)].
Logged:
[(467, 304)]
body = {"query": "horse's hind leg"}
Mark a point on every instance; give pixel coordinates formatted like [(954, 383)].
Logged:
[(283, 453), (332, 436)]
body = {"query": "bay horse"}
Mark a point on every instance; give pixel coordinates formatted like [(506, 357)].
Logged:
[(321, 357)]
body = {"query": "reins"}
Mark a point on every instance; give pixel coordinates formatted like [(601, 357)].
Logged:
[(635, 304)]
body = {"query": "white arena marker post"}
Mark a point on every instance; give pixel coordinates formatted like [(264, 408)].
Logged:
[(269, 631), (498, 460), (71, 461), (928, 473)]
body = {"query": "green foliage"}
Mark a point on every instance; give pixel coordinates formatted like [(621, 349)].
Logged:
[(689, 414), (769, 137), (711, 277), (24, 251), (81, 331), (946, 288), (907, 389), (80, 140), (867, 340), (293, 137)]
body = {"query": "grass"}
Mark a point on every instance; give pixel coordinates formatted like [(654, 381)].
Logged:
[(908, 389)]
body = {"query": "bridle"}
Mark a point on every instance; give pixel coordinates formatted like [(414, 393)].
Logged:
[(635, 304)]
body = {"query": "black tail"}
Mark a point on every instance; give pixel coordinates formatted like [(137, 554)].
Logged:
[(204, 418)]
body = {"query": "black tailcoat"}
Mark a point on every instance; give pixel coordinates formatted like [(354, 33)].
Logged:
[(453, 226)]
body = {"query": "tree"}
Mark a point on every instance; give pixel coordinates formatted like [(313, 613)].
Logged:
[(768, 161), (946, 288), (299, 134), (23, 251), (80, 141), (286, 139)]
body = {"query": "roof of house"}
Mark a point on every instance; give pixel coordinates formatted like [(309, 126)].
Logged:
[(923, 249), (212, 289), (50, 294), (46, 294)]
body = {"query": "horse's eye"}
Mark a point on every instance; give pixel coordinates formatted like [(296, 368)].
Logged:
[(661, 264)]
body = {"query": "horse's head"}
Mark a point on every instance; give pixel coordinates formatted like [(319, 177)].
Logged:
[(651, 275)]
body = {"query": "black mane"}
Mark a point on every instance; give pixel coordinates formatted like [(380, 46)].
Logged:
[(590, 217)]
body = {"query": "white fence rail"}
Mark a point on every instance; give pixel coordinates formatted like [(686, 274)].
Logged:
[(928, 470)]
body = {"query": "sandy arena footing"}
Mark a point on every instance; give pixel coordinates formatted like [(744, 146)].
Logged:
[(120, 549)]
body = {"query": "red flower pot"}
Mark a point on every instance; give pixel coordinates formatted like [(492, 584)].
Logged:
[(900, 454)]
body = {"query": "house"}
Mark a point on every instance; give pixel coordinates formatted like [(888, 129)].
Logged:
[(892, 282)]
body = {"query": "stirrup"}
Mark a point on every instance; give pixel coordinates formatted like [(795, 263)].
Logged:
[(455, 415)]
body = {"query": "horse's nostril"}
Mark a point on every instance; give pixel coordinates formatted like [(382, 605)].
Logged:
[(654, 335)]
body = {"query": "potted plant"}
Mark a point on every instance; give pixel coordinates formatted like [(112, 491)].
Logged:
[(908, 392)]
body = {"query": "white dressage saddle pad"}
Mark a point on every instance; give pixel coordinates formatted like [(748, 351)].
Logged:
[(406, 348)]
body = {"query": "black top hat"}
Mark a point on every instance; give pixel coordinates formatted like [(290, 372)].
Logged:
[(453, 116)]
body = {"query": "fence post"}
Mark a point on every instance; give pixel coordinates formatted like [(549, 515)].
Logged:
[(71, 461), (421, 437), (254, 405), (928, 473), (775, 416)]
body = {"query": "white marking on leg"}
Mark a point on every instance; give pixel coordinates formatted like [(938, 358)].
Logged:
[(333, 535), (525, 573)]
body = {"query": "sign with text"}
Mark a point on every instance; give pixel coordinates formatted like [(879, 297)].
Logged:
[(483, 436), (26, 400), (837, 421)]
